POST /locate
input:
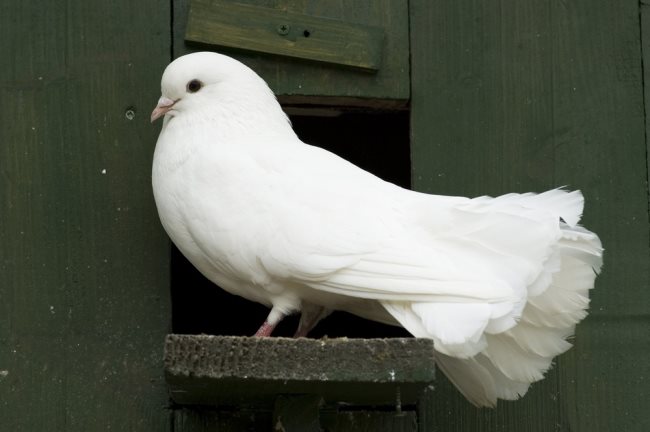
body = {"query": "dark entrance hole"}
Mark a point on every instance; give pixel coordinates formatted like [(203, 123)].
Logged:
[(377, 142)]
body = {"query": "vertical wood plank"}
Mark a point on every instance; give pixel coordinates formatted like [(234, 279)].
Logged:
[(644, 6), (524, 95), (84, 263)]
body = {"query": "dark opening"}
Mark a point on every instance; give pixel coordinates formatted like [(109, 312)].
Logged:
[(377, 142), (306, 33)]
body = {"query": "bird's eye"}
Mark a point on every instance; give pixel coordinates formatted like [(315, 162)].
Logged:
[(194, 86)]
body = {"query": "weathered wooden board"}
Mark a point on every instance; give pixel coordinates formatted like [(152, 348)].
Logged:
[(229, 370), (271, 31), (528, 95), (299, 81), (264, 384), (83, 260)]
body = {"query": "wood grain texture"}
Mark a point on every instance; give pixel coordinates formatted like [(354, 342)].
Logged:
[(517, 96), (317, 83), (271, 31), (645, 48), (84, 291)]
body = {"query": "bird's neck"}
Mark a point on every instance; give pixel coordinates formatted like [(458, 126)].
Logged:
[(236, 115)]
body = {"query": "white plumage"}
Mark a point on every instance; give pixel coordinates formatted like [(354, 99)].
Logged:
[(498, 283)]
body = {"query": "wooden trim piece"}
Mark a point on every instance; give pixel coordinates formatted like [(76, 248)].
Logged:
[(272, 31)]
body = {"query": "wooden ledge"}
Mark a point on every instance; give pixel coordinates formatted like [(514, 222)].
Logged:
[(229, 370)]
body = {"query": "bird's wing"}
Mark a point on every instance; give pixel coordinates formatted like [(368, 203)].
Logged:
[(389, 272), (363, 239)]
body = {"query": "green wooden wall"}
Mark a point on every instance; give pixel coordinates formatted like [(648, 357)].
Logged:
[(505, 96), (83, 261), (530, 95)]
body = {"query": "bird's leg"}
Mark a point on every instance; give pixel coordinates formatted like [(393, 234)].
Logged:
[(275, 316), (304, 328), (265, 330), (309, 317)]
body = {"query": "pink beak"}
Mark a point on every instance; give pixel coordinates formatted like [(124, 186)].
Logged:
[(164, 105)]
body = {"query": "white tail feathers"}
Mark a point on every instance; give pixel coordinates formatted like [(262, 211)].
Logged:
[(492, 350), (563, 204), (473, 380)]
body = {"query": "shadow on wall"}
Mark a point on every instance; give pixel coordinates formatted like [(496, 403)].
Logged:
[(376, 142)]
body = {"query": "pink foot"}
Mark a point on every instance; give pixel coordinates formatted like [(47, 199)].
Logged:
[(265, 330)]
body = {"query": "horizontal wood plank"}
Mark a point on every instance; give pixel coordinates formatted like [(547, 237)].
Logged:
[(212, 370), (272, 31)]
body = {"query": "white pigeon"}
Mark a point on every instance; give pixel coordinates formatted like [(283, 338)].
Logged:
[(498, 283)]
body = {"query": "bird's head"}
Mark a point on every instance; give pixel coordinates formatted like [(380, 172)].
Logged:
[(206, 81)]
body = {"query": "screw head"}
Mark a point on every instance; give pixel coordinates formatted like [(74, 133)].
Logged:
[(283, 29)]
